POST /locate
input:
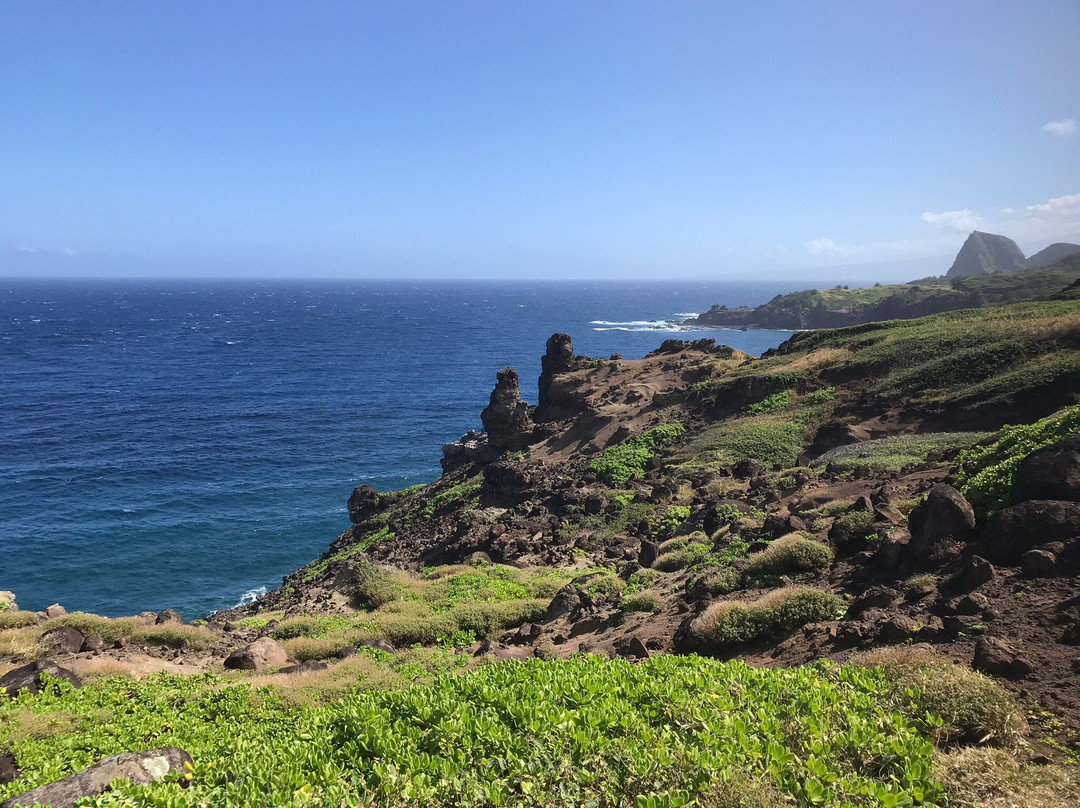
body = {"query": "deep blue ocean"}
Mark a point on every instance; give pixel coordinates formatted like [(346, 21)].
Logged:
[(186, 444)]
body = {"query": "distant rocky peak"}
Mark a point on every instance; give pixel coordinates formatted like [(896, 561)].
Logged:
[(1052, 254), (986, 254)]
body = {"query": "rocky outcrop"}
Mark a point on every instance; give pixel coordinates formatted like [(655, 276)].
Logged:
[(1013, 531), (986, 254), (1052, 472), (364, 502), (557, 359), (835, 434), (507, 420), (508, 427), (140, 768)]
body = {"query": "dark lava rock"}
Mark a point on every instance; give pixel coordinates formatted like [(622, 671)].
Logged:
[(364, 502), (835, 434), (890, 554), (975, 572), (140, 768), (63, 640), (897, 629), (307, 666), (502, 652), (168, 616), (558, 358), (1039, 564), (1013, 531), (9, 769), (953, 625), (942, 519), (648, 553), (505, 485), (632, 648), (566, 600), (378, 645), (1052, 472), (93, 645), (507, 419), (28, 677), (876, 597), (746, 469), (998, 658), (975, 603)]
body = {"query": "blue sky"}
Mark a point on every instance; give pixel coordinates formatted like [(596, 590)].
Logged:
[(527, 139)]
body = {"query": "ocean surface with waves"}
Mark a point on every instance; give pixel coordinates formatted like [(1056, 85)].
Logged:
[(185, 444)]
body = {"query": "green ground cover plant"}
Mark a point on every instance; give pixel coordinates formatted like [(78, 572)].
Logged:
[(629, 460), (896, 453), (987, 470), (584, 731)]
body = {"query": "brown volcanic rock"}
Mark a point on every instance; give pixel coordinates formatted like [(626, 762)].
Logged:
[(1052, 472), (558, 358), (29, 677), (943, 518), (1013, 531)]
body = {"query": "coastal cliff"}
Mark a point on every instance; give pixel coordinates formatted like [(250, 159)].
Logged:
[(854, 496)]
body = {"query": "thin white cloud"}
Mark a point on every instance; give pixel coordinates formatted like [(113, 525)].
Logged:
[(1064, 128), (960, 221), (826, 246), (1060, 207), (24, 248), (70, 253)]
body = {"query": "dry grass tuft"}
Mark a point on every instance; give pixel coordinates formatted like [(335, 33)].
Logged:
[(21, 643), (991, 778), (296, 689), (976, 711), (821, 358)]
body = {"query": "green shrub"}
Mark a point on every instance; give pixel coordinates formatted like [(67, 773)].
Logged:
[(973, 709), (640, 602), (110, 630), (790, 555), (713, 582), (462, 492), (642, 579), (728, 624), (822, 396), (672, 518), (17, 619), (682, 557), (852, 526), (988, 470), (307, 626), (197, 638), (374, 586), (629, 460), (774, 403)]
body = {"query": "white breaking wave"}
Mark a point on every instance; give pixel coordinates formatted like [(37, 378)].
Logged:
[(250, 596)]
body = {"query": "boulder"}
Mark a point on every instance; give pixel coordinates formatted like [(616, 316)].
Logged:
[(898, 629), (1052, 472), (379, 645), (943, 519), (1011, 532), (168, 616), (746, 469), (265, 653), (648, 553), (54, 611), (93, 645), (62, 640), (1039, 564), (566, 600), (141, 768), (998, 658), (974, 604), (308, 666), (7, 601), (975, 572), (876, 597), (28, 677), (9, 769)]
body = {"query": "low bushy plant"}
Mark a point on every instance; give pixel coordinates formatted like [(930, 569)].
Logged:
[(640, 602), (629, 460), (774, 403), (728, 624), (790, 555)]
